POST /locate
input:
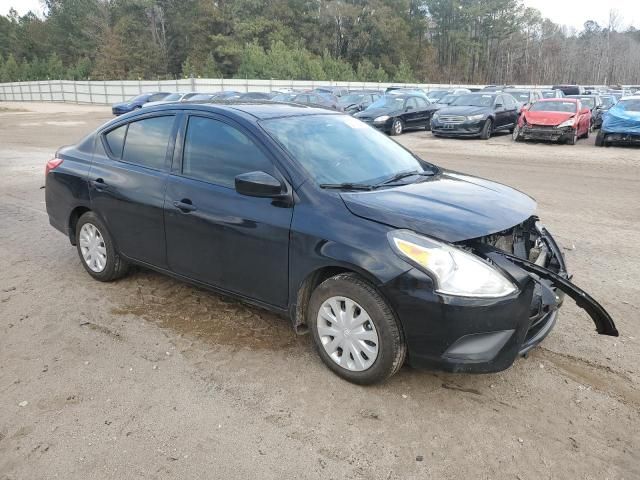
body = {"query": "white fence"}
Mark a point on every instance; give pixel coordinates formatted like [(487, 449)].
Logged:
[(108, 92)]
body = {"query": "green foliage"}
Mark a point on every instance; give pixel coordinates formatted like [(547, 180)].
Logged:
[(478, 41)]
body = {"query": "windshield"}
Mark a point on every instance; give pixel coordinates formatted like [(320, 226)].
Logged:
[(337, 149), (631, 105), (568, 107), (142, 96), (437, 95), (388, 102), (447, 99), (522, 96), (474, 100), (608, 101), (172, 97), (351, 98), (588, 102), (284, 97)]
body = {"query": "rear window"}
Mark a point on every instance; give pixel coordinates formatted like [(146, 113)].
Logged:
[(146, 142)]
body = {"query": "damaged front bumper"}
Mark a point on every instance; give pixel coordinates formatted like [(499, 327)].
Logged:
[(549, 134), (486, 335)]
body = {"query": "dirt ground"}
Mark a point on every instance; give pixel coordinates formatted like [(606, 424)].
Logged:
[(152, 378)]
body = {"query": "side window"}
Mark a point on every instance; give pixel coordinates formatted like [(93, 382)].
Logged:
[(422, 103), (115, 140), (216, 152), (412, 103), (157, 96), (500, 100), (146, 142)]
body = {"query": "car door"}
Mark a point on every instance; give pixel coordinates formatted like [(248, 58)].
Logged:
[(422, 115), (214, 234), (410, 115), (511, 110), (500, 112), (127, 181)]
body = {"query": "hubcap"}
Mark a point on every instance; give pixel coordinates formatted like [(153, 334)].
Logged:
[(397, 126), (94, 252), (348, 334)]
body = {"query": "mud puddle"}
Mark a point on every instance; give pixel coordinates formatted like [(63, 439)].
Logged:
[(204, 315)]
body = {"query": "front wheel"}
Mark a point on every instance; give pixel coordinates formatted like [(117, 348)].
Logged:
[(396, 127), (515, 135), (487, 128), (600, 139), (573, 139), (354, 330), (97, 251)]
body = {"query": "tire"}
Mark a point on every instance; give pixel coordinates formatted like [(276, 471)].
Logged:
[(384, 330), (113, 266), (573, 138), (515, 135), (586, 135), (487, 128), (397, 127), (427, 126), (600, 139)]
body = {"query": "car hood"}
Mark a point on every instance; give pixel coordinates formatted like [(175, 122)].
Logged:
[(376, 112), (464, 110), (449, 206), (547, 118)]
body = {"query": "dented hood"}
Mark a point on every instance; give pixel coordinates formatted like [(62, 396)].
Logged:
[(547, 119), (449, 206)]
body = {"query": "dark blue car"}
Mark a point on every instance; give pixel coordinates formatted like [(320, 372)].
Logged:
[(137, 102), (312, 214)]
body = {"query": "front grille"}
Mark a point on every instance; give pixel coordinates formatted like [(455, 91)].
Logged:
[(452, 118)]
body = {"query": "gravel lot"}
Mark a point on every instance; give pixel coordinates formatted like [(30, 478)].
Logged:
[(152, 378)]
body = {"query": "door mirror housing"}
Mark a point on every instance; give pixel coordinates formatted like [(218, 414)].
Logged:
[(498, 106), (258, 184), (409, 107), (585, 110)]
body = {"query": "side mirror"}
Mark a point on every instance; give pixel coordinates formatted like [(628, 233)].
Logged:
[(258, 184), (585, 110), (498, 106), (409, 107)]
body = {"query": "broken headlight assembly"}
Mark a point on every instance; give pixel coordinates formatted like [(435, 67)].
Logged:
[(454, 271)]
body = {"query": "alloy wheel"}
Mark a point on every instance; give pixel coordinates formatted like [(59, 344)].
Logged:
[(347, 334)]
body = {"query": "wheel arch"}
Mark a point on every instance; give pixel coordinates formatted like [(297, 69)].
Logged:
[(74, 216)]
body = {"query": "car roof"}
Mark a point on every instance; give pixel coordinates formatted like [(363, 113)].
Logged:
[(259, 109)]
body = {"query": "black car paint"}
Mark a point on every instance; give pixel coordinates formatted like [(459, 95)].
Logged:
[(287, 239), (411, 118), (501, 116)]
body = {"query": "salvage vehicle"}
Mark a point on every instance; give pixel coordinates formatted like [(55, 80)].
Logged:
[(621, 123), (334, 91), (594, 102), (172, 97), (356, 101), (434, 96), (309, 98), (379, 254), (137, 102), (476, 115), (569, 89), (395, 113), (554, 119), (256, 96), (550, 93), (443, 102)]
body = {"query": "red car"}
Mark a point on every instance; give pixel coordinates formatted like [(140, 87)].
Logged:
[(554, 119)]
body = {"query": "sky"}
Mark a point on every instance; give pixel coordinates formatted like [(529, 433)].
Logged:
[(572, 13)]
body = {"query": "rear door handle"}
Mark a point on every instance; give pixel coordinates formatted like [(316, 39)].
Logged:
[(184, 205)]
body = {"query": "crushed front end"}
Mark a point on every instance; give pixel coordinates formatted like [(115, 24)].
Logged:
[(545, 133), (482, 335)]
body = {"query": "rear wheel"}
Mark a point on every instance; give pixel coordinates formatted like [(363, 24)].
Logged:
[(97, 251), (354, 330), (397, 127), (487, 128)]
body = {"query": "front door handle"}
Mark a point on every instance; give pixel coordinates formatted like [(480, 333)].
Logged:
[(185, 205)]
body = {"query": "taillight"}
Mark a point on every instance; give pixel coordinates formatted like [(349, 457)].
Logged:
[(52, 165)]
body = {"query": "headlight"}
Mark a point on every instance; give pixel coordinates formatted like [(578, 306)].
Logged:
[(474, 118), (383, 118), (435, 116), (568, 123), (455, 271)]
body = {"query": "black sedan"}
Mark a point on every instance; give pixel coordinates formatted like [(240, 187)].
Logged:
[(137, 102), (357, 101), (377, 253), (395, 113), (476, 115)]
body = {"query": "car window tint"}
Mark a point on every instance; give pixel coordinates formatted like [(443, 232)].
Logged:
[(115, 140), (216, 152), (422, 103), (412, 103), (146, 142)]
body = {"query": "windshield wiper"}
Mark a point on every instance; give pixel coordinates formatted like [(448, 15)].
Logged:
[(401, 175), (347, 186)]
